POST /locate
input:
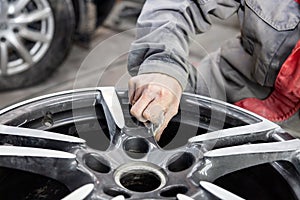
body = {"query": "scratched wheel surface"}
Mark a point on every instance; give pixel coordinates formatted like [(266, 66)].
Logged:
[(84, 144)]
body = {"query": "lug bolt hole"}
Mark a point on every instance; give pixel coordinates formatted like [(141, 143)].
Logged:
[(16, 30), (3, 39), (136, 148), (97, 163), (181, 162)]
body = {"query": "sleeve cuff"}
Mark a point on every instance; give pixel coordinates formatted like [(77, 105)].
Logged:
[(169, 69)]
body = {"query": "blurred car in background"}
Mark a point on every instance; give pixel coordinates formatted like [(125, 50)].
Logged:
[(36, 36)]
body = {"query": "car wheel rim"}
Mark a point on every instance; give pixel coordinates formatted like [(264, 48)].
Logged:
[(133, 165), (26, 31)]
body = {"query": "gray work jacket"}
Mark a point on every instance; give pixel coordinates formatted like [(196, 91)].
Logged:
[(269, 31)]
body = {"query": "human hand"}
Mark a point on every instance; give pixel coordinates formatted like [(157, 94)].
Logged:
[(154, 97)]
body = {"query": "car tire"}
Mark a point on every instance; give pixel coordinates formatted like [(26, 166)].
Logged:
[(58, 49)]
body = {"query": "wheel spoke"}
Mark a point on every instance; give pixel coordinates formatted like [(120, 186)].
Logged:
[(34, 35), (226, 160), (17, 6), (80, 193), (234, 135), (120, 197), (21, 49), (112, 107), (3, 58), (219, 192), (37, 138), (32, 17), (45, 162), (183, 197)]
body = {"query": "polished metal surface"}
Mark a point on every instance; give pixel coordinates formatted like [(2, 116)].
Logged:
[(80, 193), (226, 160), (219, 192)]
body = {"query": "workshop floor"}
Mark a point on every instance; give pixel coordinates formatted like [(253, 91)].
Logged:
[(104, 64)]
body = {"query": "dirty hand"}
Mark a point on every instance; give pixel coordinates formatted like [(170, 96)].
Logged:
[(154, 97)]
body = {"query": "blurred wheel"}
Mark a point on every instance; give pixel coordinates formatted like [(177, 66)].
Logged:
[(35, 37)]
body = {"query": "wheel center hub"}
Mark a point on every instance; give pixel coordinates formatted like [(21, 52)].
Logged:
[(140, 177)]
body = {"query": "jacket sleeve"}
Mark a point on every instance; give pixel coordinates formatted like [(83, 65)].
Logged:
[(163, 31)]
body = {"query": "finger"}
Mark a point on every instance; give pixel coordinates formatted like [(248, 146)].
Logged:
[(139, 91), (134, 91), (140, 105), (160, 111), (131, 89), (154, 113)]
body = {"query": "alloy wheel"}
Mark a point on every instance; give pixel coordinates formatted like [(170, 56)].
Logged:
[(90, 147), (26, 31)]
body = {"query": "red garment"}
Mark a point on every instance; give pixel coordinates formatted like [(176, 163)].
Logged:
[(284, 101)]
